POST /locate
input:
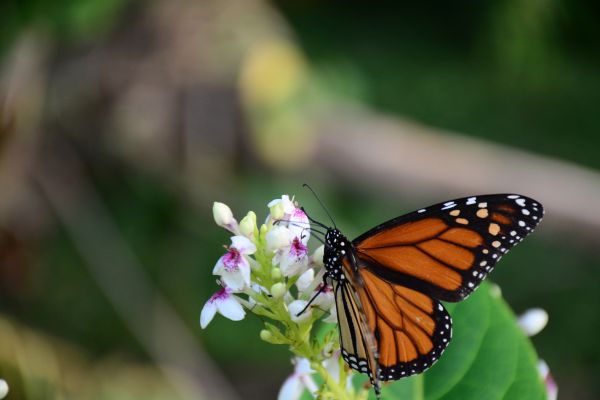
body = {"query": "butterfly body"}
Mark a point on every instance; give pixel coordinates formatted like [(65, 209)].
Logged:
[(389, 281)]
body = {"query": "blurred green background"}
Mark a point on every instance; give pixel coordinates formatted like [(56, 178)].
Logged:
[(121, 123)]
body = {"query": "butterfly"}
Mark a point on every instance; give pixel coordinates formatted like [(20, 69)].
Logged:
[(389, 281)]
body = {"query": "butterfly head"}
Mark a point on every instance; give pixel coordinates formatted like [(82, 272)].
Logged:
[(337, 247)]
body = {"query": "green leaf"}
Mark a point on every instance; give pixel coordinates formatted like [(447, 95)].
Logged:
[(488, 358)]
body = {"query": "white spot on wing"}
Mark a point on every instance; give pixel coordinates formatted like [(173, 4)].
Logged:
[(449, 204)]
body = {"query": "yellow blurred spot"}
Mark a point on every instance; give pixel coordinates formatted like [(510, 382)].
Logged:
[(276, 90), (271, 73)]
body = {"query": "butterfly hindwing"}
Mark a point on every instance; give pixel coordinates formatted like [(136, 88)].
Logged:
[(446, 250), (411, 329), (357, 343)]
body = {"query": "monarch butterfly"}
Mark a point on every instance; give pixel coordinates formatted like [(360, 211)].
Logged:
[(389, 281)]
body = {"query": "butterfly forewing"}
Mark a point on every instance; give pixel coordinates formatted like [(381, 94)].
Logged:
[(446, 250)]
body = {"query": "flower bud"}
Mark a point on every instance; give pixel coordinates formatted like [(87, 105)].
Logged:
[(277, 211), (248, 225), (276, 273), (266, 335), (263, 230), (224, 217), (533, 321), (278, 290)]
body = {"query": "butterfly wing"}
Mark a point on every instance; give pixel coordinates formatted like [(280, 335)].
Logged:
[(446, 250), (357, 343), (389, 328), (411, 329)]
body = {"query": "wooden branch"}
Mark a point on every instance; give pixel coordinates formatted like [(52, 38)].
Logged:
[(404, 158)]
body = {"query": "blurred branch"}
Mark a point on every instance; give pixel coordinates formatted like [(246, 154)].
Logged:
[(117, 271), (402, 157)]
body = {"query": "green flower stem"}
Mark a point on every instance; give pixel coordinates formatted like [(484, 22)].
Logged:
[(334, 386)]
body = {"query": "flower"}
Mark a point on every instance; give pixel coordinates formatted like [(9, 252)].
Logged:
[(332, 365), (257, 274), (294, 258), (317, 257), (225, 303), (278, 238), (224, 217), (325, 298), (299, 224), (533, 321), (281, 208), (301, 378), (295, 307), (3, 388), (551, 387), (233, 267), (305, 280), (332, 317)]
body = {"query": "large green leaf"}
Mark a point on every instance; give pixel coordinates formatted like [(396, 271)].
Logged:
[(489, 358)]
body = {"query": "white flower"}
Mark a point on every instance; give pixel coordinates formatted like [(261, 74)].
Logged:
[(224, 217), (301, 378), (325, 299), (305, 280), (255, 287), (332, 365), (299, 225), (332, 317), (551, 387), (281, 208), (317, 257), (533, 321), (293, 260), (294, 309), (278, 238), (225, 303), (233, 267), (3, 388)]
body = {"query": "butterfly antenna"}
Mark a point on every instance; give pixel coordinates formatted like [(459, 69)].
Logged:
[(321, 203)]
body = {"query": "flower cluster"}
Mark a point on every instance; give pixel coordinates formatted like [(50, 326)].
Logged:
[(269, 271)]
